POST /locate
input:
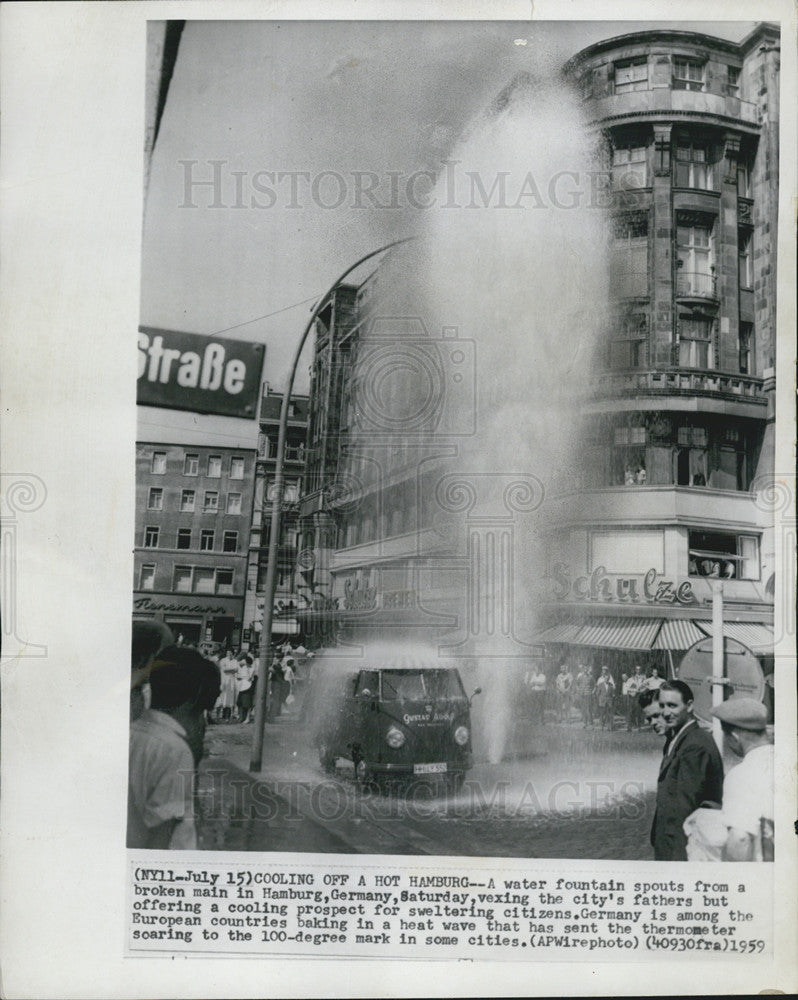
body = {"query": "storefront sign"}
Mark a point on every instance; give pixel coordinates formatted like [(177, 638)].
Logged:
[(171, 607), (190, 371), (601, 588)]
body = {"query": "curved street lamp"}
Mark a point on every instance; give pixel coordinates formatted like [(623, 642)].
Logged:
[(277, 501)]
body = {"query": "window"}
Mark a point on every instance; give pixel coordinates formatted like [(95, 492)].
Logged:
[(695, 342), (158, 463), (693, 166), (230, 541), (695, 263), (744, 256), (155, 500), (214, 466), (236, 468), (182, 581), (147, 577), (746, 348), (586, 85), (191, 465), (733, 81), (224, 581), (743, 180), (723, 556), (233, 503), (206, 540), (691, 456), (184, 538), (187, 500), (688, 74), (629, 167), (151, 538), (628, 347), (204, 580), (211, 501), (629, 455), (631, 75), (629, 261)]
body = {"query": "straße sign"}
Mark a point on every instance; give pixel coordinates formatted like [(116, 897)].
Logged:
[(204, 374)]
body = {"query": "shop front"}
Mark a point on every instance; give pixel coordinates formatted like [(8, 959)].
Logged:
[(194, 619)]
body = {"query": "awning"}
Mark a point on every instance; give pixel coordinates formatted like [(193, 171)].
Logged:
[(678, 634), (564, 632), (285, 626), (756, 635), (618, 633)]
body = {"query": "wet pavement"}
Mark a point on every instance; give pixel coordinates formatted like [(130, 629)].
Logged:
[(559, 791)]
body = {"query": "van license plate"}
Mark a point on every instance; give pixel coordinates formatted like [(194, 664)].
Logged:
[(429, 768)]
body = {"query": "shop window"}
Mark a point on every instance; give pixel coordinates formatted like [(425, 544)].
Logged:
[(204, 580), (688, 74), (187, 498), (693, 166), (182, 580), (746, 336), (230, 541), (147, 577), (191, 465), (632, 74), (151, 537), (629, 167), (158, 467), (210, 502), (691, 456), (233, 503), (236, 468), (722, 556), (628, 347), (745, 260), (184, 538), (206, 540), (224, 581), (629, 259), (695, 261), (155, 499), (695, 342), (214, 466)]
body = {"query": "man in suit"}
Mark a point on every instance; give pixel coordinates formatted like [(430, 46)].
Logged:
[(691, 772)]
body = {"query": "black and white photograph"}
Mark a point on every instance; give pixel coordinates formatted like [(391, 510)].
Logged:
[(398, 491)]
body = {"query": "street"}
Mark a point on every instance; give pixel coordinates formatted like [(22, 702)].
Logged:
[(560, 791)]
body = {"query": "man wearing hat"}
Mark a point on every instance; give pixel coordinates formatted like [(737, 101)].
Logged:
[(747, 788)]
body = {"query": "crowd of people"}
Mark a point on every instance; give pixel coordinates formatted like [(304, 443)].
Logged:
[(592, 692)]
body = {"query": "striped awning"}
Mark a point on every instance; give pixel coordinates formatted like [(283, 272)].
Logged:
[(678, 634), (618, 633), (564, 632), (756, 635)]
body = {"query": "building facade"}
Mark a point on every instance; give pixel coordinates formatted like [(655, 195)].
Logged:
[(677, 424), (193, 519)]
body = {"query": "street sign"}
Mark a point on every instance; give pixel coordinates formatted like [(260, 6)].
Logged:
[(741, 670), (204, 374)]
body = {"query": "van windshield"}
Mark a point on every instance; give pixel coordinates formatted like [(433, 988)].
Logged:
[(418, 685)]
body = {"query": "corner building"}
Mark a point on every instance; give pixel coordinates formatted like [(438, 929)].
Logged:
[(678, 427)]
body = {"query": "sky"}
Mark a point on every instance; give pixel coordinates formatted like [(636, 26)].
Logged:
[(309, 133)]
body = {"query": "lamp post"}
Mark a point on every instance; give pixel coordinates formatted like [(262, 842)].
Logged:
[(264, 662)]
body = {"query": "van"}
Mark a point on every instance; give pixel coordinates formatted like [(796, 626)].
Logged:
[(394, 720)]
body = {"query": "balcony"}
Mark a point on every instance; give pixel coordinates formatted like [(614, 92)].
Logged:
[(659, 100), (696, 285), (680, 382)]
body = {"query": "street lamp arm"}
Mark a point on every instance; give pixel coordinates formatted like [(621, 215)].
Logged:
[(271, 567)]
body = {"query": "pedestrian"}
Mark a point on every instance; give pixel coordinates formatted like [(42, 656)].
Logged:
[(632, 688), (227, 698), (651, 712), (287, 682), (147, 638), (605, 698), (748, 789), (654, 682), (165, 748), (564, 683), (536, 685), (245, 684), (585, 685), (275, 689), (691, 772)]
